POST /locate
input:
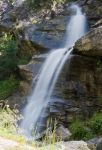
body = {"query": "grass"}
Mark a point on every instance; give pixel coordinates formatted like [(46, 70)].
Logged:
[(80, 131), (8, 130), (8, 125)]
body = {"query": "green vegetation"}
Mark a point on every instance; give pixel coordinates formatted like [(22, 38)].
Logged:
[(87, 130), (8, 55), (79, 131), (9, 60), (23, 61), (95, 123), (7, 87)]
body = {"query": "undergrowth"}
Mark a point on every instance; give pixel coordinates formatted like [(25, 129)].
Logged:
[(8, 127), (87, 130), (7, 87)]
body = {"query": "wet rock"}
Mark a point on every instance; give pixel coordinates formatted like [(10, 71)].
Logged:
[(91, 43), (63, 133)]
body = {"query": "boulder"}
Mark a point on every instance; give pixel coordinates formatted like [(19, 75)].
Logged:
[(63, 133), (92, 143), (91, 43), (73, 145), (99, 144)]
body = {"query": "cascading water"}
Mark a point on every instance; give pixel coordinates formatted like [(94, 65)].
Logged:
[(51, 69)]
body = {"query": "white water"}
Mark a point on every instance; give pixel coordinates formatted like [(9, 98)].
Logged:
[(51, 69)]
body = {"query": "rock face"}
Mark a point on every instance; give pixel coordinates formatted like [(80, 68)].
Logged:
[(45, 36), (30, 72), (77, 91), (90, 44), (93, 9)]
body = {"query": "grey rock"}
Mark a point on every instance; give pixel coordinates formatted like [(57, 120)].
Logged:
[(63, 133), (99, 144)]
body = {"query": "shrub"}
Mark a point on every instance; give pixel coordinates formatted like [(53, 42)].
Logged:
[(23, 61), (95, 123), (8, 55), (7, 87), (79, 131)]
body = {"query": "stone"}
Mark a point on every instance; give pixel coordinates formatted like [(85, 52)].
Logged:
[(24, 88), (92, 143), (91, 43), (98, 23), (93, 10), (72, 145), (30, 72), (63, 133), (25, 73), (15, 101), (99, 144), (47, 35)]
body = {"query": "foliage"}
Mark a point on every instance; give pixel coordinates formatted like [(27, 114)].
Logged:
[(23, 61), (79, 131), (43, 3), (8, 55), (7, 87), (95, 123)]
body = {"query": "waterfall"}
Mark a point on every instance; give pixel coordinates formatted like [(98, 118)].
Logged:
[(40, 96)]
